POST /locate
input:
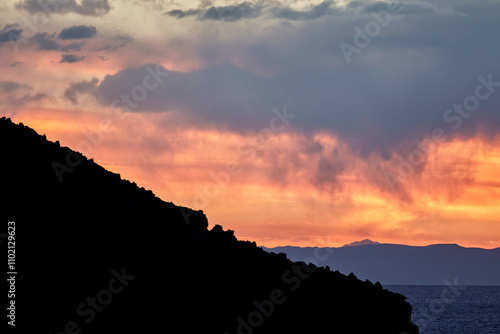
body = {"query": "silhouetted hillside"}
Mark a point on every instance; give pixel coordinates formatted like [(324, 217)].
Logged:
[(97, 254), (410, 265)]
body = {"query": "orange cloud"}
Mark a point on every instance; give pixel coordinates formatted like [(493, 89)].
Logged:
[(292, 189)]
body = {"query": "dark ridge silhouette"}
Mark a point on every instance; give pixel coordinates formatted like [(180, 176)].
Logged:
[(97, 254)]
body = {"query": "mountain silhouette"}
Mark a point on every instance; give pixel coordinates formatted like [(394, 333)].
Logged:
[(410, 265), (361, 243), (97, 254)]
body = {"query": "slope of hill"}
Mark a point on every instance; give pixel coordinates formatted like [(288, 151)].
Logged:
[(409, 265), (97, 254)]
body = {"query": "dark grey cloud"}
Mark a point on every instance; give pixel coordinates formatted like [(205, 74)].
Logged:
[(85, 7), (394, 92), (78, 32), (82, 87), (244, 10), (274, 10), (197, 91), (248, 10), (316, 11), (45, 42), (11, 86), (10, 32), (365, 109), (48, 42), (231, 13), (70, 58), (179, 13)]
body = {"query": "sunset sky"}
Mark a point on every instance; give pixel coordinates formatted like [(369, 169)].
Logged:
[(294, 122)]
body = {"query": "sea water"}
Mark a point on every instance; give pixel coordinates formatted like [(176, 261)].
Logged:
[(453, 309)]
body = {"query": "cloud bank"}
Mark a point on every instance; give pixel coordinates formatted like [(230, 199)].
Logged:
[(395, 105), (85, 7)]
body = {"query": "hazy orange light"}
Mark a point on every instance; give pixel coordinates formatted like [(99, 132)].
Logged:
[(189, 167)]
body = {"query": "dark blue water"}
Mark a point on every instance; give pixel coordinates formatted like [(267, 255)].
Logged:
[(453, 309)]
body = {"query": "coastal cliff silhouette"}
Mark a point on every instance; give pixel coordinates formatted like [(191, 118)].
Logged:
[(98, 254)]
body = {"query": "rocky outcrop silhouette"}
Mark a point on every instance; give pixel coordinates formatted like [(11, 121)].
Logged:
[(98, 254)]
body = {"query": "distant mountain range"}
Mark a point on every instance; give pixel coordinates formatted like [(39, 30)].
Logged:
[(97, 254), (407, 265)]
